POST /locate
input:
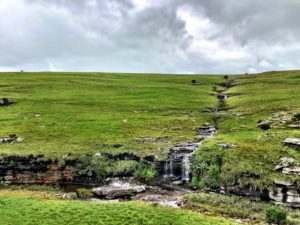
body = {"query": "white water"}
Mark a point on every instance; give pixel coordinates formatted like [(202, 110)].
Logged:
[(185, 169)]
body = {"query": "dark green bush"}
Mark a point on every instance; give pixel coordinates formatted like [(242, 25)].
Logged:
[(194, 81), (276, 216), (207, 167), (83, 193), (145, 172), (265, 126), (92, 166), (296, 117)]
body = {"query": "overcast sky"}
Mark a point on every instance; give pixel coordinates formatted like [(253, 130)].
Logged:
[(158, 36)]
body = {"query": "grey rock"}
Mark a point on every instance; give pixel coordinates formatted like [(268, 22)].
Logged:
[(119, 188), (296, 126), (291, 170), (283, 183), (292, 141), (285, 162), (226, 145)]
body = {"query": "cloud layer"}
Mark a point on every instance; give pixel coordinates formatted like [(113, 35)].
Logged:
[(170, 36)]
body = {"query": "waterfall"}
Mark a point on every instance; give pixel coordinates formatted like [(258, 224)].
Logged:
[(185, 168), (168, 168), (177, 166)]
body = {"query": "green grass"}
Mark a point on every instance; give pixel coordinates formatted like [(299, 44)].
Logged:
[(236, 207), (257, 97), (58, 113), (35, 209)]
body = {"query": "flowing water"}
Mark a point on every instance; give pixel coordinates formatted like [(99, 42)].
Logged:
[(177, 166)]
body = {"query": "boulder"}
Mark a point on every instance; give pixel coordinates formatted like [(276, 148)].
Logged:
[(293, 197), (285, 162), (292, 141), (118, 188), (277, 195), (291, 170), (283, 183)]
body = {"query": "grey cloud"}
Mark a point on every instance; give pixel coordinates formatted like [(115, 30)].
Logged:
[(98, 35)]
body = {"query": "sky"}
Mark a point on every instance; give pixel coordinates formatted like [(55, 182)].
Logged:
[(150, 36)]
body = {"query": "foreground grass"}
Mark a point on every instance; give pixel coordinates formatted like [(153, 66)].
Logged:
[(57, 113), (34, 208), (254, 212)]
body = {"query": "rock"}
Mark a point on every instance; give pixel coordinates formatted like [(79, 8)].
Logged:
[(277, 195), (207, 131), (67, 196), (6, 101), (296, 126), (185, 147), (292, 141), (268, 122), (118, 188), (293, 197), (283, 183), (226, 145), (12, 138), (178, 182), (163, 200), (285, 162), (291, 171)]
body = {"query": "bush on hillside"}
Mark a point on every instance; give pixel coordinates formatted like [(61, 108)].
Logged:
[(265, 126), (296, 117), (276, 216), (194, 81), (145, 172)]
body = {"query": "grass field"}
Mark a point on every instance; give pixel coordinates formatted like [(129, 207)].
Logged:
[(57, 113), (36, 208)]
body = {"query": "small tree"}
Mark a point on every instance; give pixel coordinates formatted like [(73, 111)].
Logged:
[(194, 82), (226, 77)]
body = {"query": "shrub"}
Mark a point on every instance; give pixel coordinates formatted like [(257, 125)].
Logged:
[(145, 172), (194, 81), (296, 117), (276, 216), (92, 166), (226, 77), (265, 126), (214, 88), (83, 193)]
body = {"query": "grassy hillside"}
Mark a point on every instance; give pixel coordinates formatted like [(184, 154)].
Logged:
[(272, 96), (35, 208), (57, 113)]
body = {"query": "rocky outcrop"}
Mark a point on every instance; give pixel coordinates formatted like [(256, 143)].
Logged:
[(119, 188), (33, 170), (6, 101), (285, 193), (292, 142), (12, 139), (295, 170)]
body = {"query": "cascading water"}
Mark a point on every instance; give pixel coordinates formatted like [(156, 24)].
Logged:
[(185, 169), (177, 166)]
